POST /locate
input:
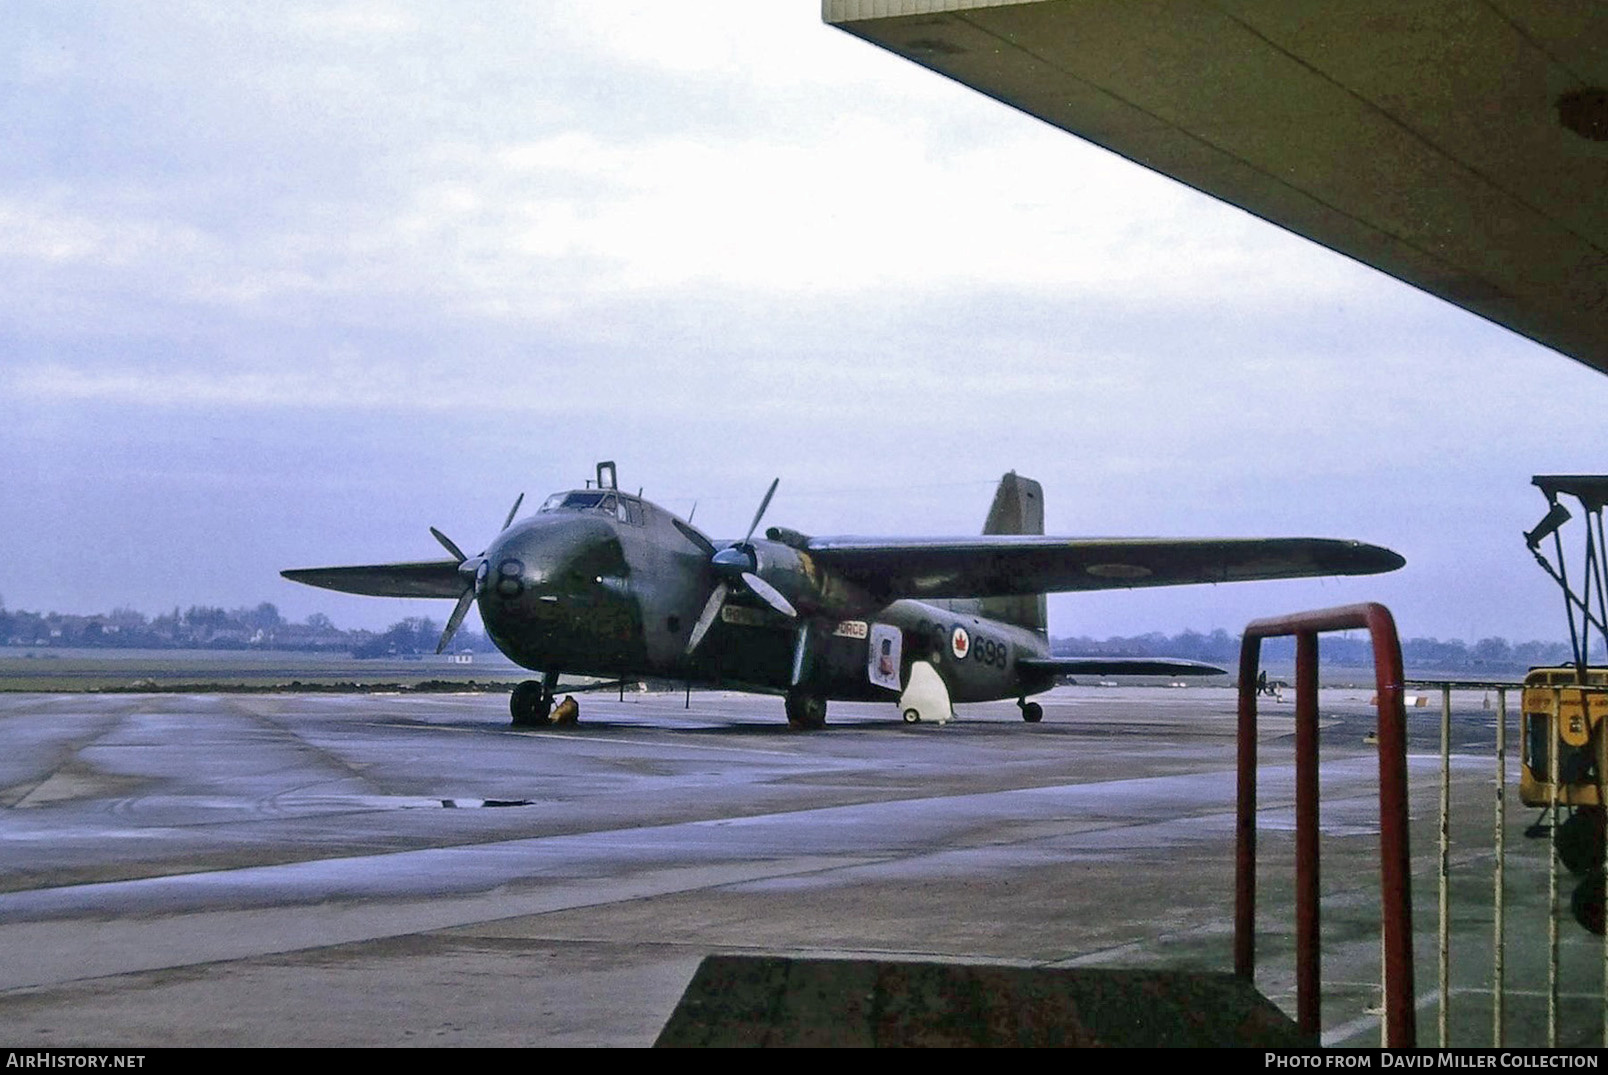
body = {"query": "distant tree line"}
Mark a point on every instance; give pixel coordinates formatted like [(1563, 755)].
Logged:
[(208, 627), (1488, 656), (262, 627)]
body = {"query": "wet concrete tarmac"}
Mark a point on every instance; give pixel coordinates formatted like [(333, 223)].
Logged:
[(321, 870)]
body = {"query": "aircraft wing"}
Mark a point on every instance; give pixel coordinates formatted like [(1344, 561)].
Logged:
[(428, 578), (998, 566), (1117, 666)]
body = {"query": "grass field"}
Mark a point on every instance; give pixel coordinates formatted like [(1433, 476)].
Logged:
[(64, 669)]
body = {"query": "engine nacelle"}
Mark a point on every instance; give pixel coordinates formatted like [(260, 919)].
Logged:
[(802, 581)]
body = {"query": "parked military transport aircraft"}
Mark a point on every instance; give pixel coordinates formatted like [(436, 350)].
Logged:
[(602, 583)]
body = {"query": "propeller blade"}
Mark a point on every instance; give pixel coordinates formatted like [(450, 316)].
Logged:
[(801, 655), (706, 618), (760, 514), (691, 534), (459, 611), (447, 544), (770, 595), (512, 512), (469, 569), (735, 561)]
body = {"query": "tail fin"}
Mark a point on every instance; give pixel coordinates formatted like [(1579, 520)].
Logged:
[(1018, 509)]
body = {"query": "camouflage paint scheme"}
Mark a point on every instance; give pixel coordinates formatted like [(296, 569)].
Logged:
[(601, 583)]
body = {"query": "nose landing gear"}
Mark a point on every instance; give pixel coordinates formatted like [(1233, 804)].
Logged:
[(531, 703)]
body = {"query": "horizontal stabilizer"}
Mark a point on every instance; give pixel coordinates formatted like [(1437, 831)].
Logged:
[(429, 578), (1117, 666)]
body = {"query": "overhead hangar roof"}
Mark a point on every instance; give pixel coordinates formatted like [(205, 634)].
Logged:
[(1459, 145)]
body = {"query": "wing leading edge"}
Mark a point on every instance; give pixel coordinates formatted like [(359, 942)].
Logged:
[(1004, 565), (428, 578)]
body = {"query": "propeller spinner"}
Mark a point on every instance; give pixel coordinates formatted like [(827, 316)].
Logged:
[(468, 567), (738, 565)]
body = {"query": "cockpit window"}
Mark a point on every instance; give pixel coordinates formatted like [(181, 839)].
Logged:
[(582, 501)]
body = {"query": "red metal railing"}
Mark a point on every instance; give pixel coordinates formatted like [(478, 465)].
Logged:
[(1396, 894)]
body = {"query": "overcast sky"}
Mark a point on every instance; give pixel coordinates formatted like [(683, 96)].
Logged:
[(287, 284)]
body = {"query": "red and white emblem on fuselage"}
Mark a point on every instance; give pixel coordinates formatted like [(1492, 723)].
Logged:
[(959, 642)]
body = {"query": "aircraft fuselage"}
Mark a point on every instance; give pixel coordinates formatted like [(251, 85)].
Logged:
[(600, 583)]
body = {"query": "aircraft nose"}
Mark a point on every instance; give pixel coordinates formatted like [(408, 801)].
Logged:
[(503, 576), (515, 570), (547, 563)]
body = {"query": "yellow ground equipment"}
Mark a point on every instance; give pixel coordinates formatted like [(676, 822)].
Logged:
[(1564, 762), (1565, 752), (1560, 713)]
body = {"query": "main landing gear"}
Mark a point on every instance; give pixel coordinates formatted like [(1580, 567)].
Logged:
[(1032, 712), (806, 712)]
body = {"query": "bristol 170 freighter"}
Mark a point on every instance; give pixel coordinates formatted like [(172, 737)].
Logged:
[(600, 583)]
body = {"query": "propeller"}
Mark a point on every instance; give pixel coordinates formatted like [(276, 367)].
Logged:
[(738, 565), (468, 568)]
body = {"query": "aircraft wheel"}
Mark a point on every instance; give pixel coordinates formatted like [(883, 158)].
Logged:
[(1587, 902), (806, 712), (529, 704), (1580, 841), (912, 717), (1032, 712)]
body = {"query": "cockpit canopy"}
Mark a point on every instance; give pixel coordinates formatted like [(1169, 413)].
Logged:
[(600, 502)]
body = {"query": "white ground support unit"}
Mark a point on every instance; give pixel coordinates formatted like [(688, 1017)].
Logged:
[(925, 697)]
